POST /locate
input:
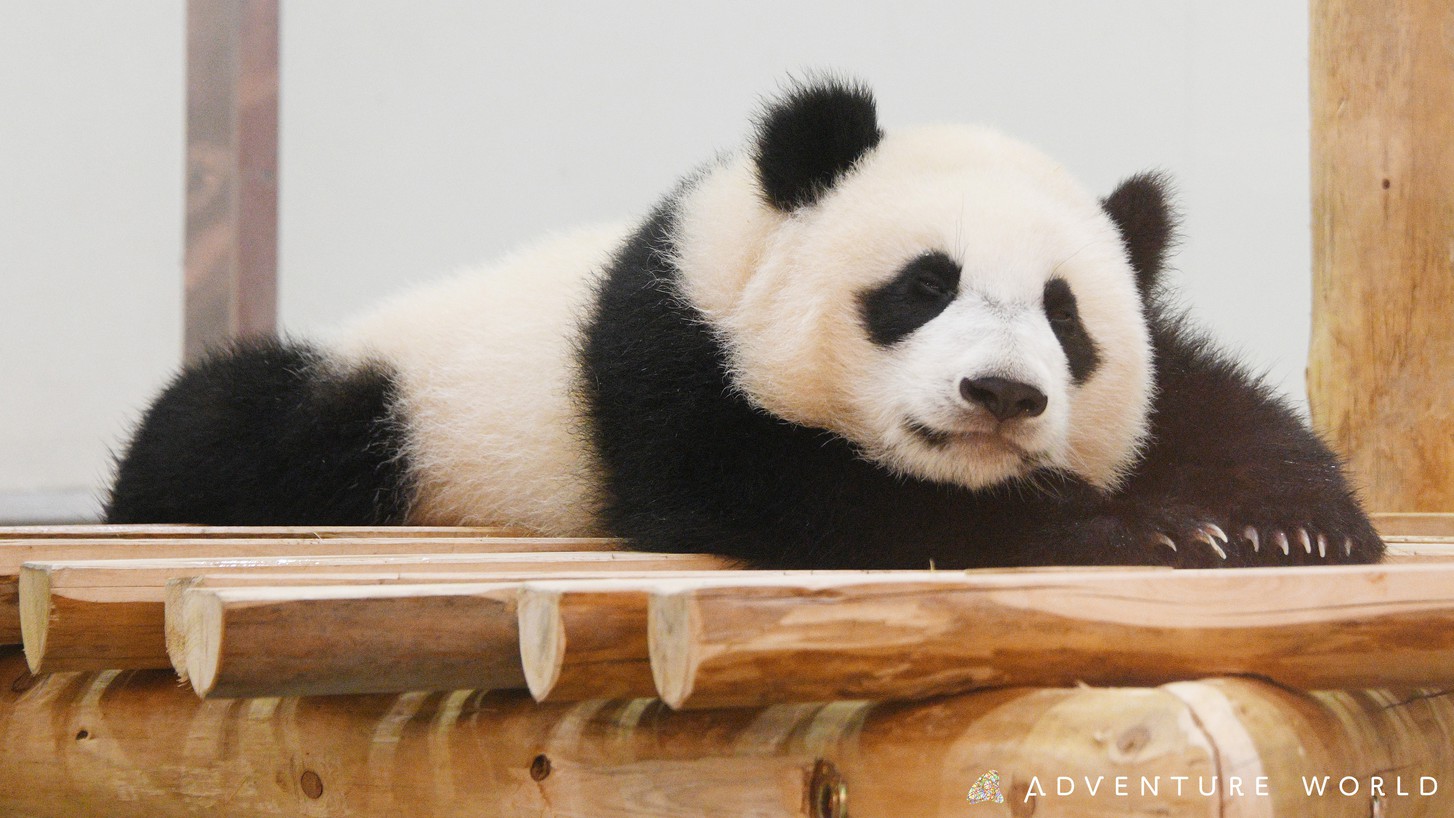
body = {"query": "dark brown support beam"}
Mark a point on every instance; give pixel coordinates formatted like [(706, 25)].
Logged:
[(232, 171)]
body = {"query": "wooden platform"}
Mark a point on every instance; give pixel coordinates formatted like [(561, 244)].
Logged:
[(390, 672)]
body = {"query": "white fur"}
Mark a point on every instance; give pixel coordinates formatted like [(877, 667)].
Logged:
[(782, 292), (486, 368), (487, 371)]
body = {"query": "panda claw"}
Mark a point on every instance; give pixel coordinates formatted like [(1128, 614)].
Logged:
[(1250, 533), (1348, 546), (1322, 546), (1216, 531), (1206, 537), (1166, 541), (1281, 540), (1302, 537)]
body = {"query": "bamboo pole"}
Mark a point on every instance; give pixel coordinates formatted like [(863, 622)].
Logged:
[(732, 643), (134, 745), (1381, 367), (98, 615)]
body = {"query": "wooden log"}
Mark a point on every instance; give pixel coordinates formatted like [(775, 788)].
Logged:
[(605, 630), (97, 615), (1382, 351), (586, 638), (14, 553), (134, 745), (272, 532), (321, 640), (730, 643)]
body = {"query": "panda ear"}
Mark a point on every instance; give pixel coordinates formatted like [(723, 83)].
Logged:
[(810, 137), (1141, 209)]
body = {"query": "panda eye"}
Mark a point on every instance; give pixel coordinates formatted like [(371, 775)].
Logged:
[(933, 276), (1059, 304), (930, 286)]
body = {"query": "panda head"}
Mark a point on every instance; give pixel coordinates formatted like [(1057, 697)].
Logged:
[(945, 298)]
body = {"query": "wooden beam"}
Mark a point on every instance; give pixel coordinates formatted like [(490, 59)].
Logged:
[(13, 553), (273, 532), (724, 643), (99, 615), (328, 640), (1379, 371), (71, 742), (231, 258)]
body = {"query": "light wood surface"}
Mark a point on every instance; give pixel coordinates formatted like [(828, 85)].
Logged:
[(1381, 365), (904, 636), (103, 614), (74, 743), (1395, 525)]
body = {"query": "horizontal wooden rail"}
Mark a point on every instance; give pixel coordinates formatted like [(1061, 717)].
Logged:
[(232, 532), (16, 552), (72, 742), (103, 614), (318, 640), (722, 642)]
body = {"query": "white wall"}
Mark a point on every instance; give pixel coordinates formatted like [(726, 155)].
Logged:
[(421, 136)]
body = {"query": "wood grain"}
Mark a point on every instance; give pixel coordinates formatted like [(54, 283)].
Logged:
[(1394, 525), (716, 643), (1381, 366), (73, 742)]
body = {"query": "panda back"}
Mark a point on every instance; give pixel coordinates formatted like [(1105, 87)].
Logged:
[(485, 374)]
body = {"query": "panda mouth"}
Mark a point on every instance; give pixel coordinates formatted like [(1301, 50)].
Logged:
[(942, 438)]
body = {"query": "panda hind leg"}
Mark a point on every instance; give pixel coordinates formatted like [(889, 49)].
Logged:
[(267, 432)]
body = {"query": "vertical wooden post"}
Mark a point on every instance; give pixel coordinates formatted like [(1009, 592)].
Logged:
[(1381, 368), (232, 170)]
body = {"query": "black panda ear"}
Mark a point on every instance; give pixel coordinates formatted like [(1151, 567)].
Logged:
[(809, 137), (1141, 209)]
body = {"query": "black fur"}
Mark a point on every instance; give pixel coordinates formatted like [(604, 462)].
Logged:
[(810, 138), (1141, 208), (1080, 349), (265, 433), (690, 465), (911, 299)]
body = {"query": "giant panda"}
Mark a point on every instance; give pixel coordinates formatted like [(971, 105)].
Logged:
[(838, 348)]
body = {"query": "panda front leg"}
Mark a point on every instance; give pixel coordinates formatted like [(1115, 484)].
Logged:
[(1233, 476)]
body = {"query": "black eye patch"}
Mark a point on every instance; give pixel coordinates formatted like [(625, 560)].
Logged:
[(1080, 348), (911, 299)]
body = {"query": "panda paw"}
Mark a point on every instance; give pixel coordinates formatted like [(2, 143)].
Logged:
[(1201, 542)]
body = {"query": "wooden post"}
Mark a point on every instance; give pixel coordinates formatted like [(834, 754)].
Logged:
[(232, 171), (1381, 368), (135, 745)]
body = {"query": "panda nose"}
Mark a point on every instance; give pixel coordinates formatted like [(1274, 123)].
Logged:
[(1004, 398)]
